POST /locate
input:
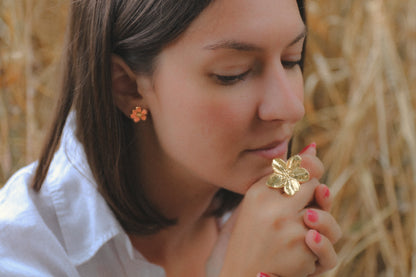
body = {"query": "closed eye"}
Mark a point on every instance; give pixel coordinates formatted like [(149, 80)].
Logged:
[(291, 64), (227, 80)]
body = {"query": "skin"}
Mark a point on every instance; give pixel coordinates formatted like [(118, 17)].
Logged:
[(206, 132), (282, 227)]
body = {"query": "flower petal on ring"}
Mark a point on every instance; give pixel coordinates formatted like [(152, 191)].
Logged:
[(279, 165), (300, 174), (291, 187), (276, 181), (294, 162)]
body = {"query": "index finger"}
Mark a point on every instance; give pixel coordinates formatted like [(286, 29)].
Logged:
[(311, 162), (306, 194), (298, 201)]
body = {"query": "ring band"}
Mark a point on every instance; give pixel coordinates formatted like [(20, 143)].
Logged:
[(288, 175)]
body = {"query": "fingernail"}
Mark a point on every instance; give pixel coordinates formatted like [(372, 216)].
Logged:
[(312, 215), (317, 238), (327, 193), (261, 274), (313, 144)]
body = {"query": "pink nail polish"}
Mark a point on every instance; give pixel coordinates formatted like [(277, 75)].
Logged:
[(327, 193), (318, 237), (313, 144), (261, 274), (312, 215)]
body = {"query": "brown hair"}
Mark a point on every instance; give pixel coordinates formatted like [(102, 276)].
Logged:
[(137, 31)]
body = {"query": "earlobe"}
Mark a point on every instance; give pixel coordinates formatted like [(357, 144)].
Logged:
[(124, 86), (139, 114)]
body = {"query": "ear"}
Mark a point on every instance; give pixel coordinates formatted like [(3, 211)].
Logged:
[(125, 86)]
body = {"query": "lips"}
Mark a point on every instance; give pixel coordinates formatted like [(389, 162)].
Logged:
[(272, 150)]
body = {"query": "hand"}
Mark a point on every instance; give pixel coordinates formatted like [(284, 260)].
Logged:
[(284, 255), (269, 233)]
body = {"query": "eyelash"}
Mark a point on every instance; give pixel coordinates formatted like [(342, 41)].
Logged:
[(228, 80), (291, 64)]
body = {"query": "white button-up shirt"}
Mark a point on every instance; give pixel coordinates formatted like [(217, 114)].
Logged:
[(66, 229)]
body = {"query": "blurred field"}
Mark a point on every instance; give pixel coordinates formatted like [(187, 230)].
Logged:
[(360, 90)]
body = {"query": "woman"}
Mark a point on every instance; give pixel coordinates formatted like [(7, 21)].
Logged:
[(170, 112)]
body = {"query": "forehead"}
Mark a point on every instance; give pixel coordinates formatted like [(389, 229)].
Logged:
[(259, 21)]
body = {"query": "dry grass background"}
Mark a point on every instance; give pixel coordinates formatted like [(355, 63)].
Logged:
[(360, 84)]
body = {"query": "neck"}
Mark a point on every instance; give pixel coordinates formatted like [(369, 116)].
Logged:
[(185, 246), (182, 249)]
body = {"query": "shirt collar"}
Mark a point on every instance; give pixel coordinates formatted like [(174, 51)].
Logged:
[(85, 219)]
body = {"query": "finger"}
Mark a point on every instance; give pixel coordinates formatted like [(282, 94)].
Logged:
[(313, 164), (262, 274), (323, 249), (323, 199), (309, 149), (324, 223), (261, 193), (305, 195)]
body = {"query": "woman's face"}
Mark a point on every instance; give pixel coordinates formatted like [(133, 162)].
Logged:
[(227, 94)]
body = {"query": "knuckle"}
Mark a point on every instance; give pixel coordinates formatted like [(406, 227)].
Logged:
[(314, 165), (338, 233), (309, 266), (333, 229), (255, 194), (310, 185), (333, 261), (328, 256)]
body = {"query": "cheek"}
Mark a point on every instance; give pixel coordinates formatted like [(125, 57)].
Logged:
[(199, 113), (214, 127), (224, 122), (199, 127), (200, 130)]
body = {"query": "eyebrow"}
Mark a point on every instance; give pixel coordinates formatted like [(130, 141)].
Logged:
[(242, 46)]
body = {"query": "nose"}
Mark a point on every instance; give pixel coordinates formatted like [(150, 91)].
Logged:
[(282, 97)]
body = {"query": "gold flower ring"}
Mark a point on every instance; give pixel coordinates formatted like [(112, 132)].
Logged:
[(288, 175)]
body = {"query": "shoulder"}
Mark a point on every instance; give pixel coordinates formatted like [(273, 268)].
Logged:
[(21, 207), (30, 244), (61, 227), (16, 197)]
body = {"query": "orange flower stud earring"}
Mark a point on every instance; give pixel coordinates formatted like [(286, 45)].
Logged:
[(138, 114)]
